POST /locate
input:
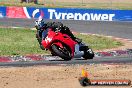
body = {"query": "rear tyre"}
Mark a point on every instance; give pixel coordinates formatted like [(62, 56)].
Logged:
[(53, 54), (64, 53), (88, 54)]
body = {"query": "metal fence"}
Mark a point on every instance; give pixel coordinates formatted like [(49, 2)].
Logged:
[(110, 4)]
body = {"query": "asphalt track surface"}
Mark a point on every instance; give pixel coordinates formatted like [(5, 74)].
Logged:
[(117, 29), (106, 60)]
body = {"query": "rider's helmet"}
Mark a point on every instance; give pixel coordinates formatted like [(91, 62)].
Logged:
[(57, 25), (39, 23)]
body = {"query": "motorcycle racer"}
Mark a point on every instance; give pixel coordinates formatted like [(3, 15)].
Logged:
[(43, 27)]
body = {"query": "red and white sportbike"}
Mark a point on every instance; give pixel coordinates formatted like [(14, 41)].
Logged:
[(63, 46)]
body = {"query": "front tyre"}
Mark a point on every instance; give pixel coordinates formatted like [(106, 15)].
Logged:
[(64, 53)]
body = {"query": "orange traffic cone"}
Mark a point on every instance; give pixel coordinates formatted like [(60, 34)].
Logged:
[(84, 80)]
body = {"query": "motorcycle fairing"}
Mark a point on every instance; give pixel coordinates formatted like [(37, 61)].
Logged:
[(59, 39)]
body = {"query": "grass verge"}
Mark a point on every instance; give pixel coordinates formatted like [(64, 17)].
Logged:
[(92, 5), (23, 41)]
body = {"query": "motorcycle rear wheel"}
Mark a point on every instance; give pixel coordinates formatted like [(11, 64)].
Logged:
[(89, 54), (64, 53)]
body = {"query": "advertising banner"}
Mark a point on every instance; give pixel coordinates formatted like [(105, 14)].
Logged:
[(69, 14), (2, 12), (24, 12), (15, 12), (90, 14)]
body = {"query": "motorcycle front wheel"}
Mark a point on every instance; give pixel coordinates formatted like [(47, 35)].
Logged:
[(64, 53)]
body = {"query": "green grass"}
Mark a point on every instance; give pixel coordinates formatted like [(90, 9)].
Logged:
[(18, 42), (23, 41), (99, 42)]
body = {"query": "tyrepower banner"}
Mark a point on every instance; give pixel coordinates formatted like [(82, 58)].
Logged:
[(2, 12), (69, 14)]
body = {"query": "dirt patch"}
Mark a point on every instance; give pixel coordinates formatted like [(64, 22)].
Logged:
[(61, 76)]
